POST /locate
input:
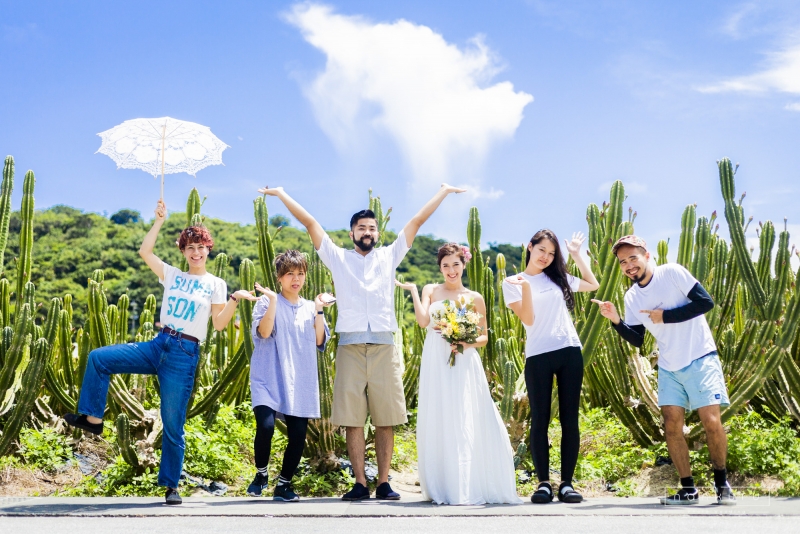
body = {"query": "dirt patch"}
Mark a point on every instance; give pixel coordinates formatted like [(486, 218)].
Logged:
[(25, 482), (654, 481)]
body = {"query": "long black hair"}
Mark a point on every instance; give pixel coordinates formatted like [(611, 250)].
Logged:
[(557, 270)]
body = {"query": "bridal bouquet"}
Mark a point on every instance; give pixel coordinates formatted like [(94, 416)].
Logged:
[(458, 323)]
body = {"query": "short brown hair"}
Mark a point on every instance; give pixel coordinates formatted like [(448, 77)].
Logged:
[(289, 260), (195, 234), (448, 249)]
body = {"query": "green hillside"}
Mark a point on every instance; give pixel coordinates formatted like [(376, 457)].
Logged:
[(70, 244)]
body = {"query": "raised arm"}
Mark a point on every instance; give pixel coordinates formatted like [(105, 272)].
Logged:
[(522, 308), (315, 229), (149, 242), (588, 280), (412, 227), (421, 305)]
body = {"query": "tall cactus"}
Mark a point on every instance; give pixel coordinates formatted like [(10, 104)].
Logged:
[(5, 206), (193, 217), (266, 252), (31, 383), (686, 243), (24, 263), (735, 218), (381, 218)]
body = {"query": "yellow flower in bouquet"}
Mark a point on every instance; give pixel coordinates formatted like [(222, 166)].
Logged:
[(458, 323)]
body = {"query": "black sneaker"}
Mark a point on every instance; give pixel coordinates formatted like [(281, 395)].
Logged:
[(385, 492), (173, 497), (358, 493), (543, 494), (725, 495), (285, 492), (684, 496), (79, 421), (566, 493), (258, 485)]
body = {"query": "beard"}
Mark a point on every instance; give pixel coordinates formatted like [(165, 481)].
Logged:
[(639, 276), (366, 246)]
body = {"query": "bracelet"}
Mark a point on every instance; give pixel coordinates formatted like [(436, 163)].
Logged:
[(233, 298), (320, 312)]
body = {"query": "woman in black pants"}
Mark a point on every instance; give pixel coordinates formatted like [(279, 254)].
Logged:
[(542, 298)]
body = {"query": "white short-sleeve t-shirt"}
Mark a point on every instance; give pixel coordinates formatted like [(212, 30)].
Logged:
[(552, 327), (679, 344), (187, 301)]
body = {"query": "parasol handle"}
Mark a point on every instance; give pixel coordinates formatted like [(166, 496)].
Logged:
[(163, 142)]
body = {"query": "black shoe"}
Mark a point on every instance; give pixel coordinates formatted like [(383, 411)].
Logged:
[(725, 495), (684, 496), (172, 496), (258, 485), (79, 421), (385, 492), (566, 493), (543, 494), (285, 492), (358, 493)]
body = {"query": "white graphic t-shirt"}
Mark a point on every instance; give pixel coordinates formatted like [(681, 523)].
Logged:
[(187, 301), (679, 344), (552, 327)]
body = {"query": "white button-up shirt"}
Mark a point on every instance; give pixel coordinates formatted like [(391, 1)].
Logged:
[(364, 284)]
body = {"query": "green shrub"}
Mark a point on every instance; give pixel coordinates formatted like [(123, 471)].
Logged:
[(44, 449)]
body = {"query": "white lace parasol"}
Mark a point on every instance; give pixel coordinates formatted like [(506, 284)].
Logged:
[(139, 144)]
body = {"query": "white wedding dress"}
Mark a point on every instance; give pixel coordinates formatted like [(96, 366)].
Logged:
[(463, 449)]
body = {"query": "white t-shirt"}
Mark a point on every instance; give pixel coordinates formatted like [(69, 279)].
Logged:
[(679, 344), (364, 284), (187, 301), (552, 327)]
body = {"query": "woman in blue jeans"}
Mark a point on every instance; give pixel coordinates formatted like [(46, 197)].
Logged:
[(190, 298)]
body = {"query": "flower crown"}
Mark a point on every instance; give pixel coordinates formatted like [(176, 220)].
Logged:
[(466, 252)]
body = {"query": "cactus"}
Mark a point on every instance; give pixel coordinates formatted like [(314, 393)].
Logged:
[(127, 450), (193, 218), (662, 250), (701, 250), (24, 263), (735, 217), (31, 383), (266, 253), (5, 207), (686, 243), (381, 218)]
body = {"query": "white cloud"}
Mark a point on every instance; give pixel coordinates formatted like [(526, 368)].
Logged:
[(240, 138), (474, 192), (794, 106), (732, 26), (781, 73), (431, 97)]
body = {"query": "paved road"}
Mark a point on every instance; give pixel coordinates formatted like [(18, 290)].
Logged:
[(641, 524), (408, 507)]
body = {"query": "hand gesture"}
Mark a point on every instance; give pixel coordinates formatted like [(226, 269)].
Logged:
[(408, 286), (447, 188), (271, 295), (608, 310), (161, 211), (320, 301), (657, 316), (517, 280), (245, 294), (271, 191), (574, 246)]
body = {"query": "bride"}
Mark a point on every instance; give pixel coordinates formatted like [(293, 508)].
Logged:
[(464, 453)]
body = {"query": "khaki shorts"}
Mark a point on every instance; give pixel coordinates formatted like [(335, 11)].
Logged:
[(368, 377)]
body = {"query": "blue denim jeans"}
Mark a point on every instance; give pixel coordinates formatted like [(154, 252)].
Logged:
[(174, 362)]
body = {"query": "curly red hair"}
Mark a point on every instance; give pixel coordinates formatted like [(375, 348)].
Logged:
[(195, 234)]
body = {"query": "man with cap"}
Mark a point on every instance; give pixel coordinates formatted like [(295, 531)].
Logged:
[(670, 303)]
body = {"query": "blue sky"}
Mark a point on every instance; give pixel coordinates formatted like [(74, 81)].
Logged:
[(537, 106)]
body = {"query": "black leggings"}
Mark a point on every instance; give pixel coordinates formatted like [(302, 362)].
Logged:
[(567, 366), (265, 428)]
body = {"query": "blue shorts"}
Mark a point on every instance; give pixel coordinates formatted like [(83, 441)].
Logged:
[(698, 384)]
